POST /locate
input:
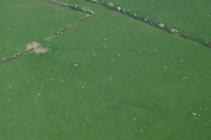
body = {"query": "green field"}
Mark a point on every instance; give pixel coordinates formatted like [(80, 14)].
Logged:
[(192, 17), (109, 78)]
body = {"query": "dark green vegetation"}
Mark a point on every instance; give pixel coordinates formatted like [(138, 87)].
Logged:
[(111, 77)]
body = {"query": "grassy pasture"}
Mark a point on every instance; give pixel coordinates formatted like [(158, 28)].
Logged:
[(111, 77), (193, 17)]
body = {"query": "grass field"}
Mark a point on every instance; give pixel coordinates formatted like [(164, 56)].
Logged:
[(109, 78), (193, 17)]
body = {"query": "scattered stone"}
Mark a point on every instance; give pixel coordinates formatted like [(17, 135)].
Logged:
[(40, 50), (181, 60), (110, 4), (141, 130), (124, 11), (165, 67), (196, 115), (119, 8), (52, 79), (75, 65), (9, 100), (135, 15), (161, 25), (82, 86), (76, 6), (90, 12), (94, 1), (184, 78), (36, 48), (114, 60), (93, 54), (46, 39), (32, 46), (87, 118), (174, 30)]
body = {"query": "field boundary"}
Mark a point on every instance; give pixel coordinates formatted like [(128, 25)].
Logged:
[(72, 6), (158, 25), (87, 14)]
